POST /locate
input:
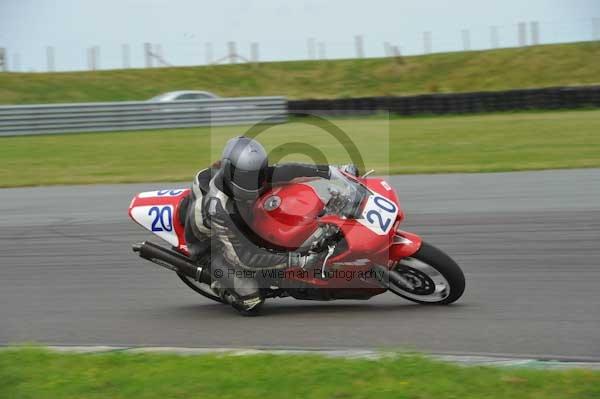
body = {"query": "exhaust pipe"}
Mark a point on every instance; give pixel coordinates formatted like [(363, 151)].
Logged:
[(171, 260)]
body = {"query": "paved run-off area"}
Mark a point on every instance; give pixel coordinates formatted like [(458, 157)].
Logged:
[(529, 244)]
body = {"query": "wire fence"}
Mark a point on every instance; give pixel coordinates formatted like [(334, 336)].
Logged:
[(189, 50)]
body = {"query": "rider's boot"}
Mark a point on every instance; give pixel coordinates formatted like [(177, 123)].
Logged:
[(197, 249), (239, 288), (198, 244)]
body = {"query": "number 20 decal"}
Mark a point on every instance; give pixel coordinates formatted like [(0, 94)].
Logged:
[(171, 193), (385, 218), (162, 218)]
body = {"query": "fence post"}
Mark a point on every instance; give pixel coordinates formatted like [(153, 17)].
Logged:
[(254, 55), (16, 62), (231, 52), (427, 42), (208, 53), (158, 54), (50, 59), (310, 45), (3, 63), (93, 54), (96, 50), (148, 55), (358, 44), (494, 37), (522, 29), (322, 51), (466, 39), (387, 49), (395, 58), (88, 56), (397, 55), (535, 32), (125, 54)]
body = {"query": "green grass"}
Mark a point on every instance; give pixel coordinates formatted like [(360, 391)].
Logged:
[(35, 373), (536, 66), (484, 143)]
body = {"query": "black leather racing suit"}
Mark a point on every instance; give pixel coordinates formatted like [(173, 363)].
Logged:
[(218, 223)]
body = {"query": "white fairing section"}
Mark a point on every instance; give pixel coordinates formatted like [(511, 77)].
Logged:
[(379, 214), (161, 193), (158, 219)]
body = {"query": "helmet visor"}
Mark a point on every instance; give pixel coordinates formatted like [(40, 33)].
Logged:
[(251, 181)]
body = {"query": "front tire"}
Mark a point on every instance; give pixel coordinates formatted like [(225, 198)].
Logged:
[(435, 277)]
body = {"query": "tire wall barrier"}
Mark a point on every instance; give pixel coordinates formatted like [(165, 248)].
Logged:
[(455, 103)]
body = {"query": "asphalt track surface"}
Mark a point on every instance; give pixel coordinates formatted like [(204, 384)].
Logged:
[(529, 244)]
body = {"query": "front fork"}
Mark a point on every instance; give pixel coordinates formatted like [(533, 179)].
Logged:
[(404, 244)]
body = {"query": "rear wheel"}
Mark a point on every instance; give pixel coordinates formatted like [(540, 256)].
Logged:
[(435, 279), (201, 288)]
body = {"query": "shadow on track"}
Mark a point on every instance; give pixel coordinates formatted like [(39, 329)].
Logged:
[(302, 308)]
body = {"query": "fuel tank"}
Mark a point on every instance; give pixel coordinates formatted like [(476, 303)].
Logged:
[(286, 215)]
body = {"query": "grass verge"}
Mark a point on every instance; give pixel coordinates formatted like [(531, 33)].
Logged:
[(485, 143), (503, 69), (37, 373)]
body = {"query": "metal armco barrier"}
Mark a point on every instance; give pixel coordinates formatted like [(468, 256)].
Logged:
[(19, 120), (455, 103)]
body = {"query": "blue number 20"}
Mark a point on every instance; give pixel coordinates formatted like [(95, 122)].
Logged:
[(387, 206), (173, 193), (162, 218)]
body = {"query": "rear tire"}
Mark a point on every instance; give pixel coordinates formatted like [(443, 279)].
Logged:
[(430, 291), (200, 288)]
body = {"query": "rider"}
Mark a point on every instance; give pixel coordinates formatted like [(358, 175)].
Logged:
[(222, 199)]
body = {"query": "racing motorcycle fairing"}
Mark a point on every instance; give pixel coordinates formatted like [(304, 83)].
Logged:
[(159, 212), (287, 215)]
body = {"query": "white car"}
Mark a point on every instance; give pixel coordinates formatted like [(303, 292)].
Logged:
[(173, 97), (181, 95)]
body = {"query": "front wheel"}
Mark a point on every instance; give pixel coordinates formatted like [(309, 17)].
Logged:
[(433, 276)]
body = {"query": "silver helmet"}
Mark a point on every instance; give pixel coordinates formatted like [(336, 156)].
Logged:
[(244, 164)]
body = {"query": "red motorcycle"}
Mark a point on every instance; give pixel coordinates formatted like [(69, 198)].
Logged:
[(355, 220)]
